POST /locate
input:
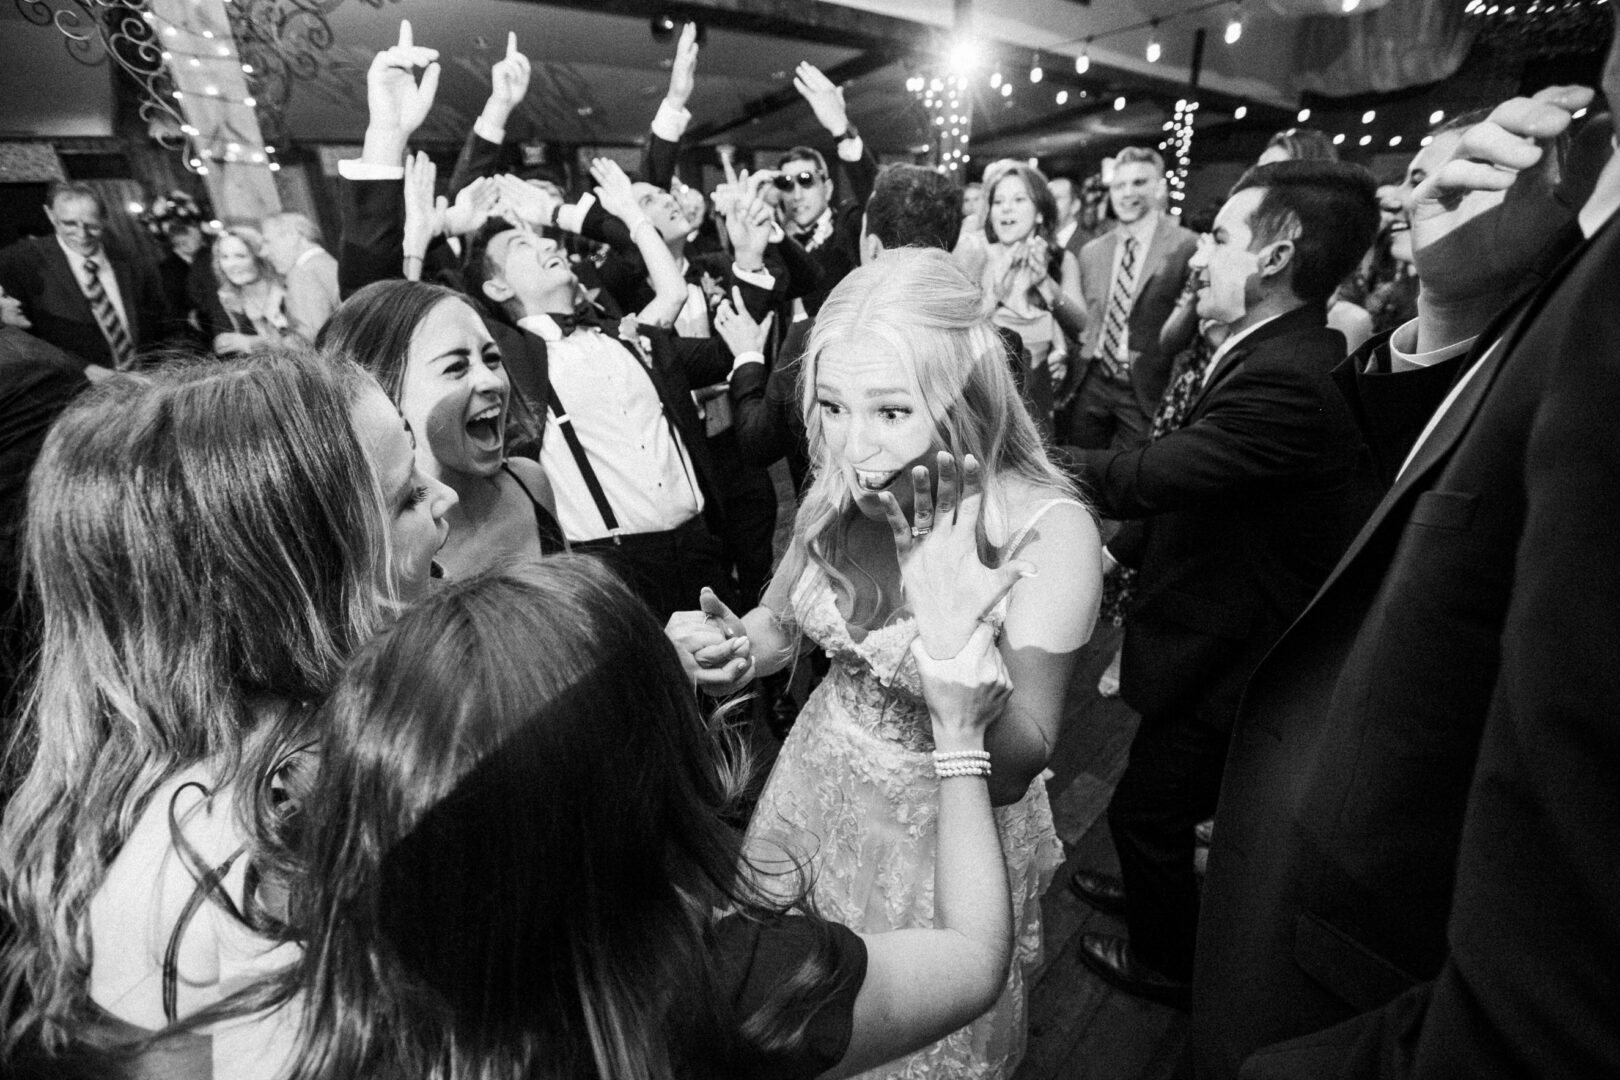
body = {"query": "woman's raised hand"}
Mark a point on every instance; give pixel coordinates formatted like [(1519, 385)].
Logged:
[(712, 645), (947, 585)]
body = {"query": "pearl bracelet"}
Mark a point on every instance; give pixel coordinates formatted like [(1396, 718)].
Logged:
[(949, 763)]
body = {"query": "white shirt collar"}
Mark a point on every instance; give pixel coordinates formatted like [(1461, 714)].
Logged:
[(1143, 227), (77, 260), (541, 326), (1232, 342)]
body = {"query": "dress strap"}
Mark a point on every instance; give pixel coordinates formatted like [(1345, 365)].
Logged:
[(1018, 538), (552, 541)]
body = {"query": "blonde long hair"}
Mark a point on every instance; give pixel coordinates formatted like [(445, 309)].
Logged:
[(917, 304), (202, 542)]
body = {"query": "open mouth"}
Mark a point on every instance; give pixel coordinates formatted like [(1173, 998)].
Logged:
[(554, 262), (484, 428), (867, 480)]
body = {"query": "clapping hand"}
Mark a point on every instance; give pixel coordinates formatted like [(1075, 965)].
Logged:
[(713, 645), (1480, 219), (423, 217), (397, 103), (826, 98), (614, 190), (737, 327), (523, 203), (749, 228), (947, 585)]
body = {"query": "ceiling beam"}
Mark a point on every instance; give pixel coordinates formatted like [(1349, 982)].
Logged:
[(786, 97), (823, 24)]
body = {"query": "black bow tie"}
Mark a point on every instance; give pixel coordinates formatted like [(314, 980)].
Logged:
[(582, 319)]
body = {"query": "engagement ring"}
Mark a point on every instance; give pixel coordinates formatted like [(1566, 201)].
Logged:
[(924, 530)]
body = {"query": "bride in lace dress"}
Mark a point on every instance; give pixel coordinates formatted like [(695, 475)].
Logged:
[(904, 378)]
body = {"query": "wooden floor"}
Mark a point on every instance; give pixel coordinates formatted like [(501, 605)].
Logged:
[(1079, 1025)]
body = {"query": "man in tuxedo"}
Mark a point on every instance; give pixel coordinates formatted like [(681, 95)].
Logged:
[(1130, 278), (1068, 215), (1414, 851), (1233, 521), (78, 296)]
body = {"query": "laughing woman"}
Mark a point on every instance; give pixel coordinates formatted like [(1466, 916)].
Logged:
[(437, 360)]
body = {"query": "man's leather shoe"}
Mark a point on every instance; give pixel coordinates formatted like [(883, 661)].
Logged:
[(1102, 891), (1111, 957)]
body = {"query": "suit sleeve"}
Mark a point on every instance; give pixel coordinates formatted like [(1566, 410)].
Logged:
[(14, 273), (1392, 408), (763, 426), (373, 243), (478, 158), (658, 160), (1263, 427)]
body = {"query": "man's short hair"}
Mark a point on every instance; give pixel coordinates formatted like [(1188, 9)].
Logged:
[(805, 153), (74, 189), (1140, 154), (1304, 144), (1329, 209), (913, 206), (299, 223), (477, 269)]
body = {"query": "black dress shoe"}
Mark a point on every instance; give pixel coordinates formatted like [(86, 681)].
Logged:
[(1110, 957), (1104, 892)]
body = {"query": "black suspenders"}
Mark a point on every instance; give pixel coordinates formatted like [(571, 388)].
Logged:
[(583, 462)]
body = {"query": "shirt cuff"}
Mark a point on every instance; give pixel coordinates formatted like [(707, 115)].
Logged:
[(753, 356), (355, 169), (489, 132), (670, 122), (571, 216), (760, 279), (851, 149), (1405, 338)]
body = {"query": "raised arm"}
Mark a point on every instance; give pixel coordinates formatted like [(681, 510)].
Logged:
[(619, 199), (663, 143), (826, 100), (508, 85)]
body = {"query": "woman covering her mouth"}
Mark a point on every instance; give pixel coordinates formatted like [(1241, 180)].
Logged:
[(905, 379), (432, 353)]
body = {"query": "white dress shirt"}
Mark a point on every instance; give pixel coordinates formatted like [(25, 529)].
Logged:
[(616, 412), (105, 275)]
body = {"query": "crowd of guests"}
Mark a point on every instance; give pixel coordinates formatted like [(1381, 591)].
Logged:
[(383, 627)]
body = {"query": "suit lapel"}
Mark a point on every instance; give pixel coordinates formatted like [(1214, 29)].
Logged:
[(125, 276), (1157, 244), (60, 278), (1283, 324), (1498, 339)]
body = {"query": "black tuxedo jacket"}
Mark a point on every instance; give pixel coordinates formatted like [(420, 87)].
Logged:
[(1419, 810), (35, 271), (1239, 515)]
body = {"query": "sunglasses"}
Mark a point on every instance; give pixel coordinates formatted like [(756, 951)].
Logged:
[(806, 180)]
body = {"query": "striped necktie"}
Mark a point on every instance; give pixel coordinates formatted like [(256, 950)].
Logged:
[(123, 349), (1119, 311)]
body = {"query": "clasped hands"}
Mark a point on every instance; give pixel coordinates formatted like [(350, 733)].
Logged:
[(948, 587)]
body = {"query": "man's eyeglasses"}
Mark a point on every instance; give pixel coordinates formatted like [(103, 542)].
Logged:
[(806, 180)]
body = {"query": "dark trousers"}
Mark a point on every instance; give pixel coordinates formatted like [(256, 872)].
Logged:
[(1105, 414), (1170, 784), (748, 499), (667, 569)]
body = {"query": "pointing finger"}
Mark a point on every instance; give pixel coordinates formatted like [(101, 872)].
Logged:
[(511, 44), (405, 41)]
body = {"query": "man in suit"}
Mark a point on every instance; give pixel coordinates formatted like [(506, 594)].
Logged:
[(1415, 841), (78, 296), (1130, 278), (293, 245), (1233, 521)]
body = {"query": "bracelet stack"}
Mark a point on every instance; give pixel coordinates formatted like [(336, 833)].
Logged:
[(949, 763)]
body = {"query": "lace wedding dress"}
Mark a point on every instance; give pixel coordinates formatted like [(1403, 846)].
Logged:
[(853, 794)]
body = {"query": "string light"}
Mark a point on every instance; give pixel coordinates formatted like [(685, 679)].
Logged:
[(1304, 115), (1437, 116), (1179, 145), (995, 80), (1338, 140), (1082, 63), (1369, 116), (1119, 103), (1240, 112), (1365, 140), (1154, 49), (1062, 97), (1035, 72), (1234, 26), (1394, 140)]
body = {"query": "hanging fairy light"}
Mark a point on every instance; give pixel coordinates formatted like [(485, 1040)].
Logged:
[(1234, 26), (1035, 72), (1082, 63), (1179, 146), (1154, 49)]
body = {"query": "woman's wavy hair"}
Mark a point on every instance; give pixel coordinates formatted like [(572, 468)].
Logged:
[(375, 327), (517, 847), (1039, 194), (917, 304), (202, 542)]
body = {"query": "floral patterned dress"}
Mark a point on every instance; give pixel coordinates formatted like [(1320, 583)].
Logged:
[(853, 794)]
